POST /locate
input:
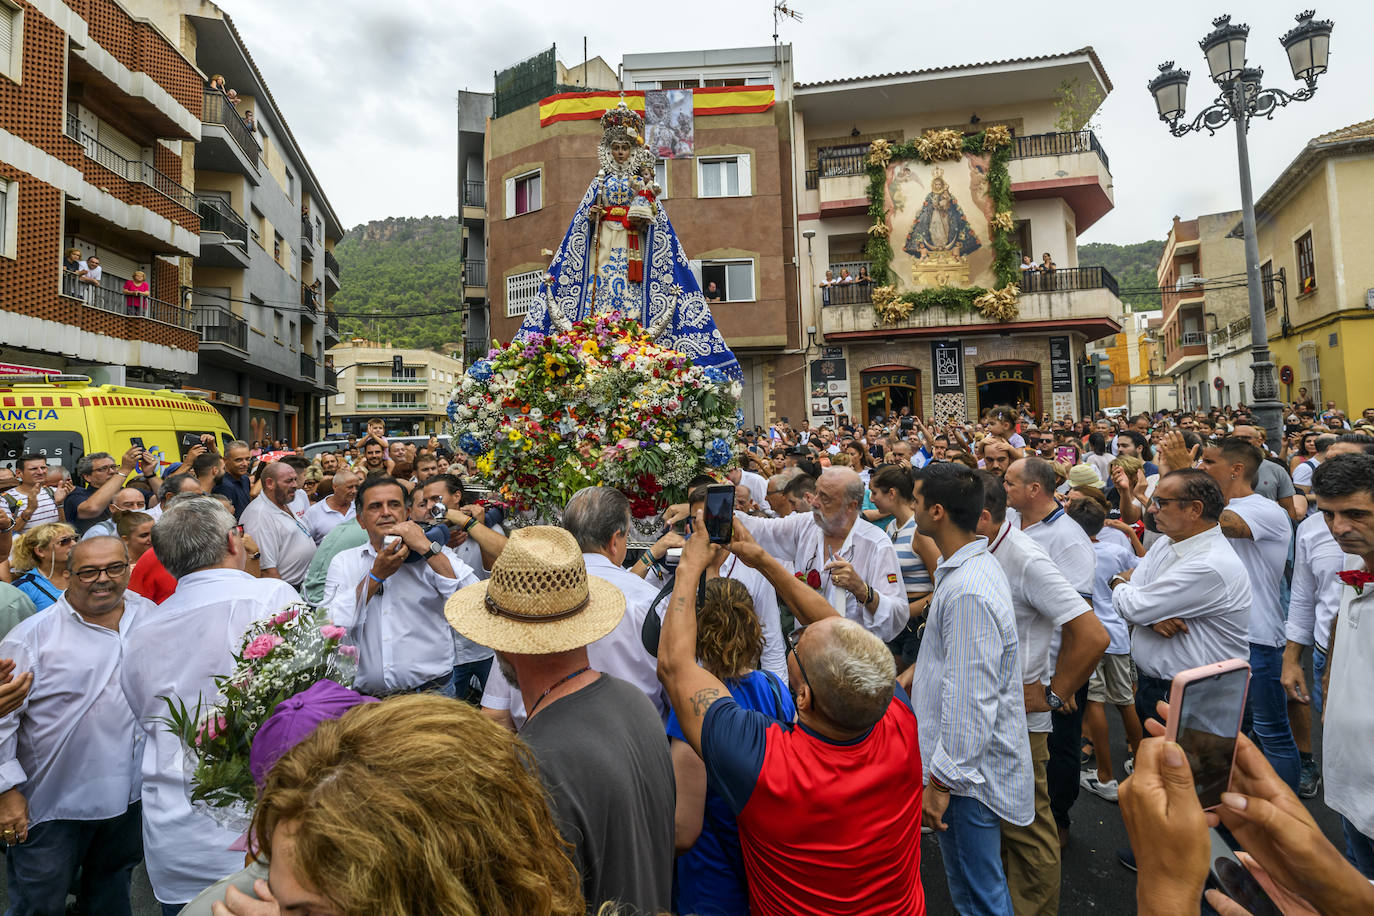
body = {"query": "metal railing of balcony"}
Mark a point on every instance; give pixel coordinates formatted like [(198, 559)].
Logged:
[(847, 294), (474, 194), (391, 405), (216, 324), (307, 230), (1192, 339), (331, 263), (474, 350), (833, 161), (1068, 279), (218, 110), (217, 216), (331, 321), (1058, 144), (116, 302), (331, 379), (308, 298), (129, 169), (838, 267), (475, 272), (406, 381), (308, 365), (813, 179)]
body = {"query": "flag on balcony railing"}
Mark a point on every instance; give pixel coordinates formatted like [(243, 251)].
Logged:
[(706, 100)]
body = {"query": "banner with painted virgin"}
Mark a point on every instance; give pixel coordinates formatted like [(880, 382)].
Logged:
[(668, 123)]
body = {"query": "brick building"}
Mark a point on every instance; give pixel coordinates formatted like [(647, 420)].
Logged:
[(99, 111), (936, 362), (737, 225)]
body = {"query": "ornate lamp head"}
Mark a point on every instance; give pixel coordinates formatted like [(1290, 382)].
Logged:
[(1308, 46), (1225, 49), (1170, 90)]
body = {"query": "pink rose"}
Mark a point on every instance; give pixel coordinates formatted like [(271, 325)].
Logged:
[(262, 646), (285, 616), (332, 632), (350, 651)]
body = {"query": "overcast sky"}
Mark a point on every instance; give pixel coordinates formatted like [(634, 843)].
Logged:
[(369, 88)]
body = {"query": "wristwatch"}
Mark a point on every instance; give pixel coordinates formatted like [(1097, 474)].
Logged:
[(433, 550), (1116, 580), (1051, 698)]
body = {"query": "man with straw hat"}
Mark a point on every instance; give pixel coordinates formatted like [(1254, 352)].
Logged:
[(598, 740)]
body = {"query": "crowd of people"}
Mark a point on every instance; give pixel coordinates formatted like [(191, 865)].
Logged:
[(915, 628)]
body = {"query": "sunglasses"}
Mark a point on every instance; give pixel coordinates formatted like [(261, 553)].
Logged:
[(64, 541), (114, 571), (790, 643)]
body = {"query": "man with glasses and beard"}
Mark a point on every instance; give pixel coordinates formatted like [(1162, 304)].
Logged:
[(68, 767)]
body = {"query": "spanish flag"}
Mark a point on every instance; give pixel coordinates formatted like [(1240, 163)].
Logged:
[(709, 100)]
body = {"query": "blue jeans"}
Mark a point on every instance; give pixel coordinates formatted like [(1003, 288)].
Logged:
[(42, 869), (1266, 713), (972, 852), (470, 679), (1318, 670), (172, 909), (1359, 849)]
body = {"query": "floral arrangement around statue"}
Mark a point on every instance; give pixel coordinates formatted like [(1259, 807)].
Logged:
[(602, 403), (279, 657)]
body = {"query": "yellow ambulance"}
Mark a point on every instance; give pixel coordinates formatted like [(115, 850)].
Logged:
[(63, 417)]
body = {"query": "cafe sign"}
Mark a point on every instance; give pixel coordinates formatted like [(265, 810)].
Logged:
[(987, 374), (900, 377)]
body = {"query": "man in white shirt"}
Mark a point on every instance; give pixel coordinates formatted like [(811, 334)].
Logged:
[(1344, 487), (129, 499), (757, 484), (1302, 474), (1043, 601), (1030, 485), (394, 609), (283, 539), (32, 502), (1189, 598), (856, 562), (88, 274), (599, 518), (1259, 532), (204, 620), (336, 508), (68, 766)]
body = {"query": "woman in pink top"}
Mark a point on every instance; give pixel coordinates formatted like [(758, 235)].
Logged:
[(136, 294)]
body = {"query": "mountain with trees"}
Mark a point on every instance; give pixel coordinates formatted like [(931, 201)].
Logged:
[(405, 271), (1132, 265)]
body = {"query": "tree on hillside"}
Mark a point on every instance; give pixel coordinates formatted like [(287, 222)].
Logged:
[(1132, 265)]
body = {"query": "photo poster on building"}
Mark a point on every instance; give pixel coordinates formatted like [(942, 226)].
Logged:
[(1061, 365), (940, 222), (830, 386), (946, 356), (668, 123)]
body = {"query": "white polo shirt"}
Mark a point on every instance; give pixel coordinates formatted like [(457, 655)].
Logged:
[(1346, 764), (1263, 555), (1316, 596), (322, 519), (285, 542)]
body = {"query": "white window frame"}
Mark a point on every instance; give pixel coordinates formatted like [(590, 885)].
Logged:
[(9, 219), (661, 176), (697, 266), (742, 165), (521, 291), (12, 64), (510, 192)]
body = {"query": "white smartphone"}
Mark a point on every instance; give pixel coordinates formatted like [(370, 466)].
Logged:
[(1206, 706), (389, 539)]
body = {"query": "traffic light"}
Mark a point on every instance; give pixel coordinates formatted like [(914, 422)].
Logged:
[(1090, 372)]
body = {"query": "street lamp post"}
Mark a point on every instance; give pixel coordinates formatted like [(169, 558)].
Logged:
[(1242, 99)]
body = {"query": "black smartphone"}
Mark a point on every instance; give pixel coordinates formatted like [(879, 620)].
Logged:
[(720, 512), (137, 442), (1233, 879)]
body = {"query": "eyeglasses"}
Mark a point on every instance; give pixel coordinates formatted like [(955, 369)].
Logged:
[(790, 642), (1159, 501), (237, 529), (103, 467), (114, 571)]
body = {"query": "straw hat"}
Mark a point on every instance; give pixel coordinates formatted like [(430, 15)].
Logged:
[(1085, 475), (539, 599)]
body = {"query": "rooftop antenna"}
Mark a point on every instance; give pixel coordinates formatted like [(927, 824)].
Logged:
[(781, 9)]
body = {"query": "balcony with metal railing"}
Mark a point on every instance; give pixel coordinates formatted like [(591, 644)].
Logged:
[(217, 325), (223, 234), (475, 194), (309, 367), (474, 276), (1082, 299), (331, 323), (419, 405), (331, 273), (307, 239), (110, 297), (309, 299), (331, 380), (138, 174), (401, 381), (227, 143)]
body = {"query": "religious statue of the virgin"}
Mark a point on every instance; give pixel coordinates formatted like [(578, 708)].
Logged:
[(620, 254), (941, 227)]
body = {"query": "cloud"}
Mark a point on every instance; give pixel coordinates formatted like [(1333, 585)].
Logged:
[(369, 90)]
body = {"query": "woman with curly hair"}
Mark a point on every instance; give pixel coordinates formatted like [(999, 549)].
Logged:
[(414, 805), (39, 562), (710, 865)]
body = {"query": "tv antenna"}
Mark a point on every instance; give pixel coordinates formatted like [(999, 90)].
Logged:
[(781, 9)]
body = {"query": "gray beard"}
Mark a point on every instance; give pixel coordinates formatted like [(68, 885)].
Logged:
[(507, 671)]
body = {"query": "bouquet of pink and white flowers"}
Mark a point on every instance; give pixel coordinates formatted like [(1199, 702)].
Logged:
[(279, 657)]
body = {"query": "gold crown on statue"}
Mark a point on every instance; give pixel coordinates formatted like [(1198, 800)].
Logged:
[(620, 123)]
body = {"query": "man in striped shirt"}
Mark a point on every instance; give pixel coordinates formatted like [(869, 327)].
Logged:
[(968, 698), (31, 503)]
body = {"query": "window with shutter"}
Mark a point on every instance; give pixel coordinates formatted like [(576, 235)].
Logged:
[(11, 40), (5, 191), (524, 194), (724, 176), (521, 291)]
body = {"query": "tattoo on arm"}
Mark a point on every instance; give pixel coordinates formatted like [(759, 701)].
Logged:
[(702, 700)]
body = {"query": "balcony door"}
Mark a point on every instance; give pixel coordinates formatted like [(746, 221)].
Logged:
[(1008, 383), (887, 389)]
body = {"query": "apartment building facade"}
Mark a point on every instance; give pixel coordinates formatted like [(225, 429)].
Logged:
[(935, 361), (1315, 232), (409, 390), (261, 286), (1204, 341), (731, 204), (474, 111), (99, 110)]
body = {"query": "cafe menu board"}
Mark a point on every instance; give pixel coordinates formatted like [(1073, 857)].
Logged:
[(1061, 365)]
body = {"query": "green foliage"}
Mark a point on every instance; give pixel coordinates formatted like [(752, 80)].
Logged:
[(398, 267), (879, 249), (1132, 265), (952, 299), (1076, 104)]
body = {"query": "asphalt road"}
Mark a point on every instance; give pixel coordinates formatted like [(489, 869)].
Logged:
[(1093, 881)]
